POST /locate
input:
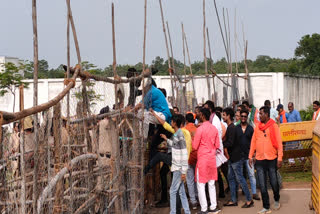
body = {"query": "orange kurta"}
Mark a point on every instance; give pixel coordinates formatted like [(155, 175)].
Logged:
[(261, 145)]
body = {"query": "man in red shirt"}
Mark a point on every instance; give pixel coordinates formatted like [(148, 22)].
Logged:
[(266, 143)]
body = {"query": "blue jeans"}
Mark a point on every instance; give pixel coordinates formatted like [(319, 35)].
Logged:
[(265, 167), (191, 184), (235, 175), (178, 185), (252, 178)]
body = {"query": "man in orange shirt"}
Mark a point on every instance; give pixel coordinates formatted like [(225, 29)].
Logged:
[(266, 143), (191, 184), (316, 108)]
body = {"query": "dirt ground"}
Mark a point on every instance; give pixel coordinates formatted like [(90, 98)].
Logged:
[(295, 199)]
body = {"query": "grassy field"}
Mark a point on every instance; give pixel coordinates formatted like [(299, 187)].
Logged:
[(296, 176)]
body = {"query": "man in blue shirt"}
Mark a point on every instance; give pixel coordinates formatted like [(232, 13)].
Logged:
[(155, 100), (293, 115)]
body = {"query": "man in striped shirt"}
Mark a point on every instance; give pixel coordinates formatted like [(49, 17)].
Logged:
[(179, 165)]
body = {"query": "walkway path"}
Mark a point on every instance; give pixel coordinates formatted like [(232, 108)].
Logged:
[(294, 200)]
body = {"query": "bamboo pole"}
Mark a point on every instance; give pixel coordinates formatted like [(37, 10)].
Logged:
[(119, 205), (190, 65), (184, 69), (211, 67), (235, 39), (85, 106), (220, 26), (205, 49), (173, 65), (68, 113), (142, 150), (229, 41), (168, 55), (51, 185), (57, 156), (35, 103), (22, 163)]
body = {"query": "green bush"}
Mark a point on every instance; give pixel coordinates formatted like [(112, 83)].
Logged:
[(307, 114)]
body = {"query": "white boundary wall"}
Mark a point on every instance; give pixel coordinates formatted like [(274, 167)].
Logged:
[(276, 87)]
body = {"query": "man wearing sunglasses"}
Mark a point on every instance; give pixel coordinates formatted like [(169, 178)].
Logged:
[(266, 144), (244, 133)]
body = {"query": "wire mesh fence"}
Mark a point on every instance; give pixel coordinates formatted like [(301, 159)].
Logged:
[(86, 162)]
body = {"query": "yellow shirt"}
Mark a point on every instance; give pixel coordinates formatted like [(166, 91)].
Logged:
[(186, 134)]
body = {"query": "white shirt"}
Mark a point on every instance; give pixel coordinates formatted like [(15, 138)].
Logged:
[(220, 158)]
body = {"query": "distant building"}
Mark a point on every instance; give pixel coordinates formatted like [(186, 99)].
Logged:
[(14, 60)]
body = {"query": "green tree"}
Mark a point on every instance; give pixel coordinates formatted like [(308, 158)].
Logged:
[(308, 52), (93, 96), (11, 79)]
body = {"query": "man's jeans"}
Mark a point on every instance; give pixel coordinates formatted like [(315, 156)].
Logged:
[(235, 176), (191, 184), (159, 157), (252, 177), (265, 167), (166, 158), (178, 186)]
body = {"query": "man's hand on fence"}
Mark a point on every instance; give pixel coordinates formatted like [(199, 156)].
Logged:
[(279, 164)]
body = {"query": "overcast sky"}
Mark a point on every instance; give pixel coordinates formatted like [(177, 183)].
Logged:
[(272, 27)]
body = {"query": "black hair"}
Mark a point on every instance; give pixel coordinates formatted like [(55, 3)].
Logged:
[(190, 118), (245, 103), (206, 113), (218, 109), (104, 110), (244, 111), (241, 107), (178, 119), (218, 113), (316, 103), (14, 124), (265, 109), (229, 111), (267, 103), (175, 107), (210, 105), (163, 91), (183, 119)]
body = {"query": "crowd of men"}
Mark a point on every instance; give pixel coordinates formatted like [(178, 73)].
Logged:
[(202, 147), (212, 141)]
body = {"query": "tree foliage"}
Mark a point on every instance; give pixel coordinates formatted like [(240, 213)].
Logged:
[(308, 52), (11, 78), (306, 61)]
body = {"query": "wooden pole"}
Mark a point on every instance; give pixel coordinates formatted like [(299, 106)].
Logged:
[(229, 42), (184, 70), (211, 67), (205, 49), (168, 55), (221, 31), (22, 163), (173, 65), (118, 205), (235, 39), (35, 103), (190, 65), (85, 97), (57, 157), (136, 131), (68, 114)]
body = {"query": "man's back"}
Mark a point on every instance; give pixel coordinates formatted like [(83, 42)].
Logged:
[(156, 100)]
